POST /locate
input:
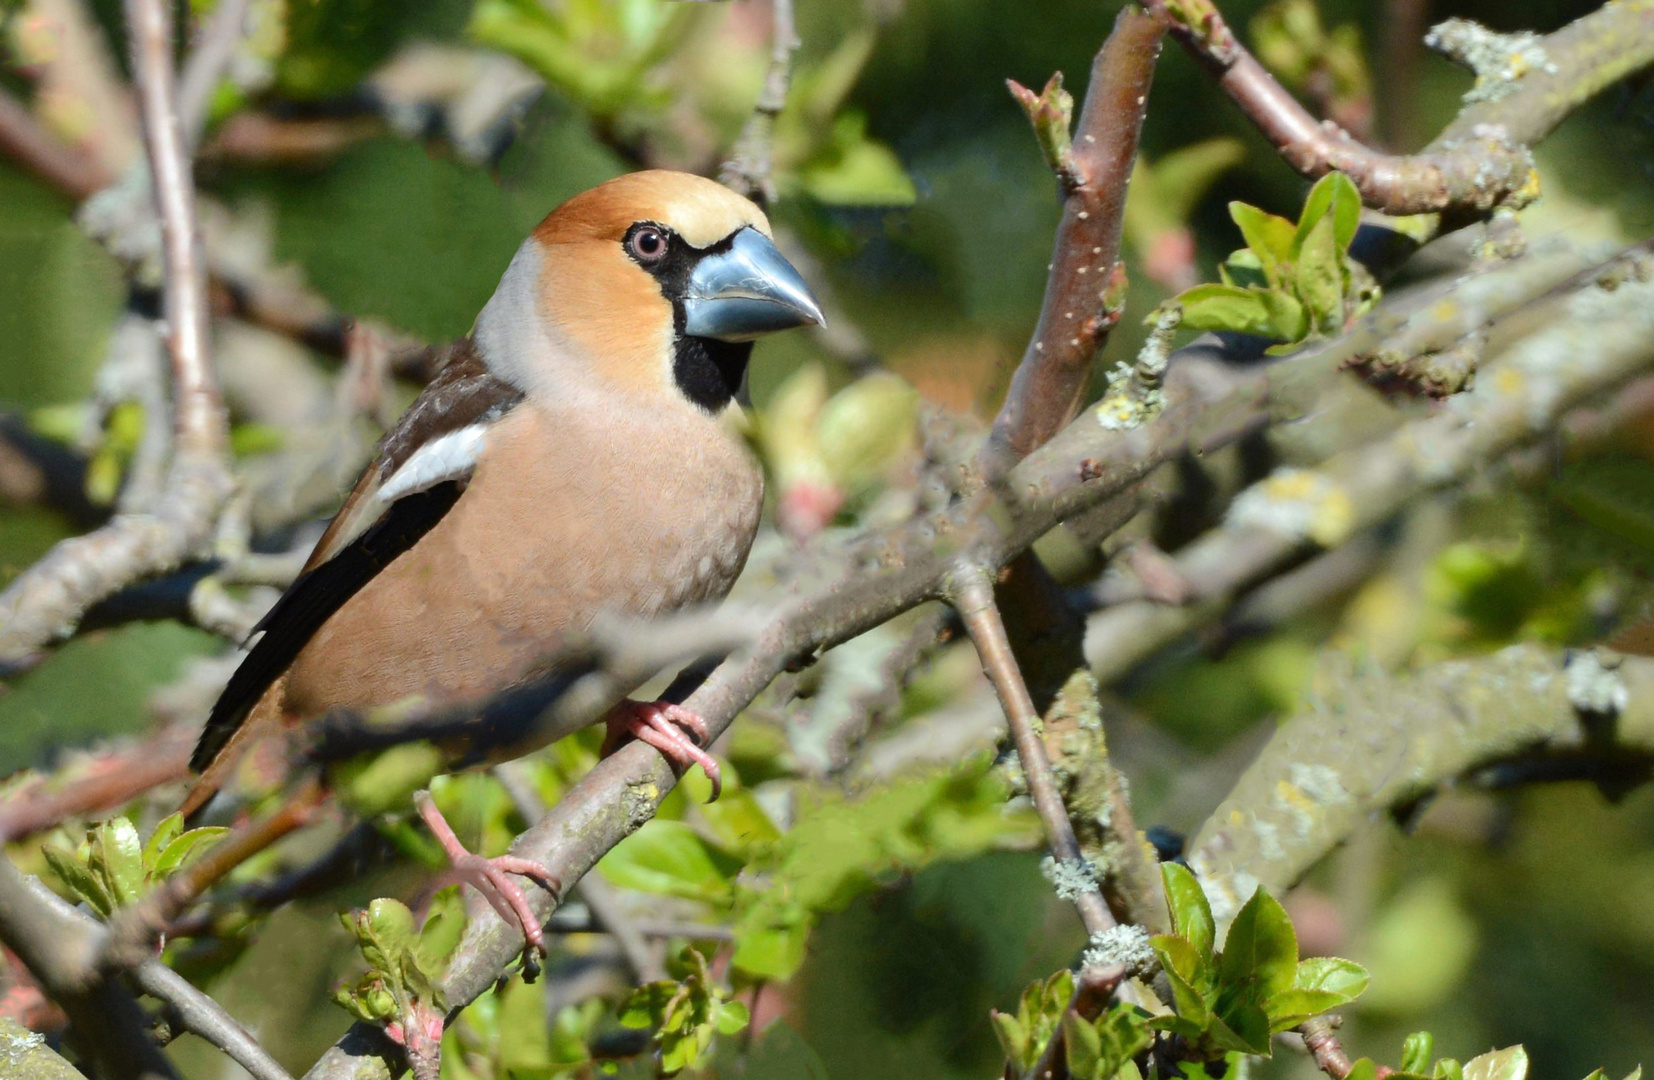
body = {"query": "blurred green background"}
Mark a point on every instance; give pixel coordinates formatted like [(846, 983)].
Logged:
[(1516, 917)]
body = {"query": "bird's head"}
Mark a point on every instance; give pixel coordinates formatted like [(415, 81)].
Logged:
[(652, 282)]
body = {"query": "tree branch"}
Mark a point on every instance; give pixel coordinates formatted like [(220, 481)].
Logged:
[(973, 598), (106, 1024), (1480, 162), (206, 65), (48, 599), (25, 142), (1085, 288), (749, 168), (1371, 741), (1596, 341)]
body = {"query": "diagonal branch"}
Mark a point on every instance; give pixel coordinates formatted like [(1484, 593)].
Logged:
[(973, 598), (26, 142)]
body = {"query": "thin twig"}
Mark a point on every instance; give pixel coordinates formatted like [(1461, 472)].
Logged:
[(26, 142), (206, 65), (200, 1015), (47, 600), (749, 169), (104, 784), (134, 930), (973, 598), (1321, 1040)]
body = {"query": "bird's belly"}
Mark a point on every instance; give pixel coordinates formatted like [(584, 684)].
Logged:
[(514, 566)]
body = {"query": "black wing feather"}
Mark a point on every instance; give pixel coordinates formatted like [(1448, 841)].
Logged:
[(311, 600)]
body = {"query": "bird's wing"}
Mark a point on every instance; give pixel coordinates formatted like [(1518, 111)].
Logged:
[(420, 472)]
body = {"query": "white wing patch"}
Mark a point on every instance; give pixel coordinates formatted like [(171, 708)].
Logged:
[(448, 457)]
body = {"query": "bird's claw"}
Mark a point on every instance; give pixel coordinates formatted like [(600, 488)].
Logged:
[(488, 876), (675, 731)]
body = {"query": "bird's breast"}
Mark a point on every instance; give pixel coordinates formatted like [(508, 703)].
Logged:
[(568, 515)]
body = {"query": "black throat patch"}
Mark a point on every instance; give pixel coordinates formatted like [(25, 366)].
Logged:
[(709, 372)]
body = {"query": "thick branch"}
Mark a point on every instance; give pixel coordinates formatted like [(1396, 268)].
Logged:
[(1371, 742), (1598, 340), (1084, 291), (1480, 161)]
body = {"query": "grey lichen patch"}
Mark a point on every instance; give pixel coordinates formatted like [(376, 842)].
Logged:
[(1499, 60), (1298, 503), (1594, 688), (1134, 393), (15, 1045), (1125, 945), (1122, 409), (24, 1055), (1072, 878)]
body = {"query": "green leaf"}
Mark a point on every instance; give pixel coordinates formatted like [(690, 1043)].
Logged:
[(1340, 976), (1269, 238), (178, 852), (444, 925), (773, 951), (117, 857), (1363, 1069), (732, 1018), (1013, 1038), (854, 170), (1227, 307), (738, 823), (524, 1042), (1243, 1028), (1448, 1069), (1333, 197), (1261, 950), (647, 1002), (79, 878), (1191, 913), (671, 859), (1084, 1046), (1319, 277), (1290, 1008), (165, 833), (1511, 1063), (1287, 319), (1189, 974), (1416, 1051)]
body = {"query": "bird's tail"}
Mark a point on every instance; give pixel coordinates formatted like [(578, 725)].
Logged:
[(262, 720)]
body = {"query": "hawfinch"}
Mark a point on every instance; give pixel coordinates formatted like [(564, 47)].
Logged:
[(572, 457)]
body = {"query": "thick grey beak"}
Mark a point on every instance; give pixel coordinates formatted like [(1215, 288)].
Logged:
[(747, 291)]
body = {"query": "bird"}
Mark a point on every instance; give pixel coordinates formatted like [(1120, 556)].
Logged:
[(573, 457)]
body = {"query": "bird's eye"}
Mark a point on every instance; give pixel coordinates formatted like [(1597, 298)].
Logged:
[(647, 244)]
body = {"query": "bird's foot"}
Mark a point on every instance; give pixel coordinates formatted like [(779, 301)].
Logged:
[(672, 729), (489, 876)]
